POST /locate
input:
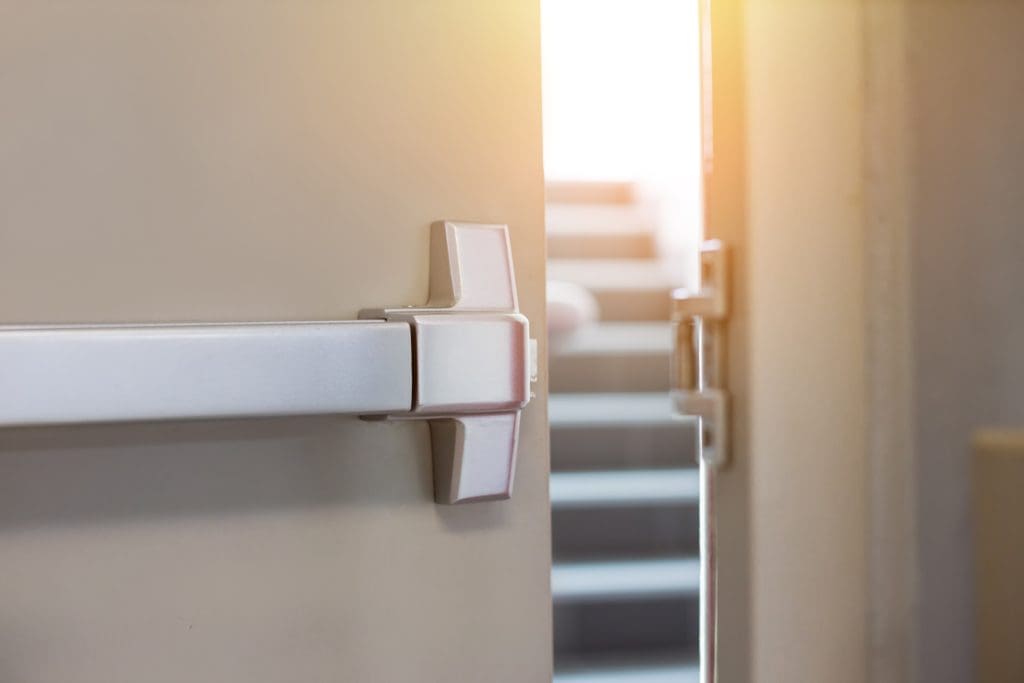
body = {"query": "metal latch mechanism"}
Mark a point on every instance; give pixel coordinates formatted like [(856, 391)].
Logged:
[(699, 359), (473, 361), (698, 390)]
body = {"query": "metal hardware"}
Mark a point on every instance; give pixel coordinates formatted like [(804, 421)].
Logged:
[(464, 362), (118, 373), (699, 376), (474, 361), (699, 360)]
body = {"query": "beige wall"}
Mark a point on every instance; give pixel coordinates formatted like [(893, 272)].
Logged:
[(966, 95), (864, 149), (944, 149), (239, 161)]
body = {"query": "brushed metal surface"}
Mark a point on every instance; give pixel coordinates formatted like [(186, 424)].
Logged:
[(51, 375), (471, 362)]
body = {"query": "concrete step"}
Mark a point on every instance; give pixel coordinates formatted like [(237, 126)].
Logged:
[(625, 289), (627, 580), (601, 245), (607, 635), (590, 192), (628, 672), (624, 489), (600, 218), (639, 532), (619, 431), (604, 612), (612, 356), (601, 231), (633, 513)]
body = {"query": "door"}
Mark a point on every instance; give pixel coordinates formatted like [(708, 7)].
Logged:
[(232, 161)]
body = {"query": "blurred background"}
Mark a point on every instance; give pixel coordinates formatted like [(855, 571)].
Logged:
[(621, 93)]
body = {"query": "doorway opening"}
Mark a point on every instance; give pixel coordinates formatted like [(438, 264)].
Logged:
[(622, 157)]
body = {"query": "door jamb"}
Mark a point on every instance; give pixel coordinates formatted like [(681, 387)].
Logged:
[(892, 552)]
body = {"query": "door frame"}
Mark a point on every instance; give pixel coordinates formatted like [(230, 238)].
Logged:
[(805, 178)]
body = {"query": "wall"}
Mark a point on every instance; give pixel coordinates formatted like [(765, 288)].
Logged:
[(942, 154), (967, 162)]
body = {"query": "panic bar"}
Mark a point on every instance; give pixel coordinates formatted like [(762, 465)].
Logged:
[(463, 362)]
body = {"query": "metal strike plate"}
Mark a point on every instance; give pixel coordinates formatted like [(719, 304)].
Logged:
[(699, 359), (473, 361), (712, 301)]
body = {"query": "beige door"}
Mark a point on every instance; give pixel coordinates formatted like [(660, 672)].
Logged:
[(235, 161)]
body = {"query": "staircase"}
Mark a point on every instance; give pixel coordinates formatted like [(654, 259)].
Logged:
[(624, 487)]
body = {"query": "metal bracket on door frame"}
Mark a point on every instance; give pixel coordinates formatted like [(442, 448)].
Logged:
[(464, 362), (699, 376), (699, 359)]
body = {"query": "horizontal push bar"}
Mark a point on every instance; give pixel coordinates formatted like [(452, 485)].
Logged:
[(60, 375), (464, 362)]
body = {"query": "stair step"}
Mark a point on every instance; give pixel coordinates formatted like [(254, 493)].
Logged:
[(618, 338), (627, 673), (635, 513), (600, 218), (601, 245), (625, 289), (590, 192), (580, 534), (619, 431), (625, 580), (613, 356), (596, 635), (612, 410), (629, 488), (603, 274), (601, 231)]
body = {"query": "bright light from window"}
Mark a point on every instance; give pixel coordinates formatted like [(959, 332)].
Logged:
[(621, 87), (621, 97)]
